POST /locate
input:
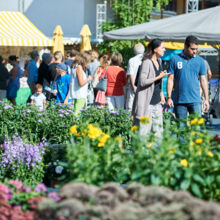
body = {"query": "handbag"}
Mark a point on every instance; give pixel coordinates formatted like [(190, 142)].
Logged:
[(102, 84), (96, 80)]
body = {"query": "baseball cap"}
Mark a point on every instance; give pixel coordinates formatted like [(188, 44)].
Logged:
[(62, 66)]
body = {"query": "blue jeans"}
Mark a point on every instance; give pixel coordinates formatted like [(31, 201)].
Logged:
[(181, 110)]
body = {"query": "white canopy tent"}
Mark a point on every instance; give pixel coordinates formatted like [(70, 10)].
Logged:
[(204, 24)]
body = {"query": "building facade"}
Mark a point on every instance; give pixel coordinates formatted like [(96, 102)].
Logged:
[(70, 14)]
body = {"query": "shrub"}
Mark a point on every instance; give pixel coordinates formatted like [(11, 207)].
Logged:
[(22, 161), (186, 159)]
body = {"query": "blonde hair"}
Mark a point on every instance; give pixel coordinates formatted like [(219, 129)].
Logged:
[(116, 59), (38, 86), (94, 55), (105, 60), (57, 55)]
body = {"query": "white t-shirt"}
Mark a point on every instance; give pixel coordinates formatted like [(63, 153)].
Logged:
[(39, 100), (133, 65)]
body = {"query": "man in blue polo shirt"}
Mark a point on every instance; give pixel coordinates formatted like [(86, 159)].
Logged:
[(187, 71)]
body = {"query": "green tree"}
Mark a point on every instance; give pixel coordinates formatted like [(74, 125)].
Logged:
[(127, 13)]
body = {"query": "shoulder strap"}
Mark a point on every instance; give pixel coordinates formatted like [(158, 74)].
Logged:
[(105, 71)]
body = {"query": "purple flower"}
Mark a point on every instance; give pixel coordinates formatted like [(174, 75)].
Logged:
[(39, 114), (7, 107), (40, 188), (40, 120), (54, 196), (28, 111), (61, 115), (17, 153)]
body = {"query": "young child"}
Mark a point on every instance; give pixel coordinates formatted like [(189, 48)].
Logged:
[(38, 98), (62, 84)]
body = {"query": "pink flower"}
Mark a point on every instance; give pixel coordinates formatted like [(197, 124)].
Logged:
[(54, 196), (17, 183), (27, 189), (4, 188), (40, 188)]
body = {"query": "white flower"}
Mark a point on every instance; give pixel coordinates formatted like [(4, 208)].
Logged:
[(59, 169)]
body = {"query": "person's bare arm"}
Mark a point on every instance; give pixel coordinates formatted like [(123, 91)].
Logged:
[(45, 104), (209, 73), (131, 79), (204, 85), (66, 99), (169, 90), (79, 73)]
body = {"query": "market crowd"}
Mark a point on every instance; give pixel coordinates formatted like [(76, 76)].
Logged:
[(84, 78)]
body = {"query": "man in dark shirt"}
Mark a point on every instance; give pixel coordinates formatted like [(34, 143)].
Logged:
[(4, 76), (43, 71)]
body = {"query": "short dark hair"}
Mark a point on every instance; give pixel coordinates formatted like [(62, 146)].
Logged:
[(13, 58), (72, 53), (191, 40)]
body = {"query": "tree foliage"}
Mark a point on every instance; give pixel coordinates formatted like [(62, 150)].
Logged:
[(127, 13)]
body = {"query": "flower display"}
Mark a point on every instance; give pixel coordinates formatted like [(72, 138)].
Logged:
[(144, 120), (102, 140), (16, 183), (73, 129), (184, 162), (194, 121), (40, 188), (16, 152), (133, 128), (210, 154), (198, 141), (94, 132)]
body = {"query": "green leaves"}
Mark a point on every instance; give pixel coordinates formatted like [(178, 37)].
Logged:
[(196, 190), (185, 184)]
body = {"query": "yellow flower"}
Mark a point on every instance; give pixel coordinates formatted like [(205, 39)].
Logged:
[(199, 149), (201, 121), (210, 154), (133, 128), (119, 139), (192, 122), (146, 43), (77, 134), (144, 120), (201, 134), (103, 139), (73, 129), (172, 151), (191, 143), (148, 146), (199, 141), (193, 133), (94, 132), (184, 162)]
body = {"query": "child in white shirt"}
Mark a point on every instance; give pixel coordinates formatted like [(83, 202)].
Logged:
[(38, 98)]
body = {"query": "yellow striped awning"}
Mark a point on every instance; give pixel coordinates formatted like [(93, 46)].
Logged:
[(17, 30)]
